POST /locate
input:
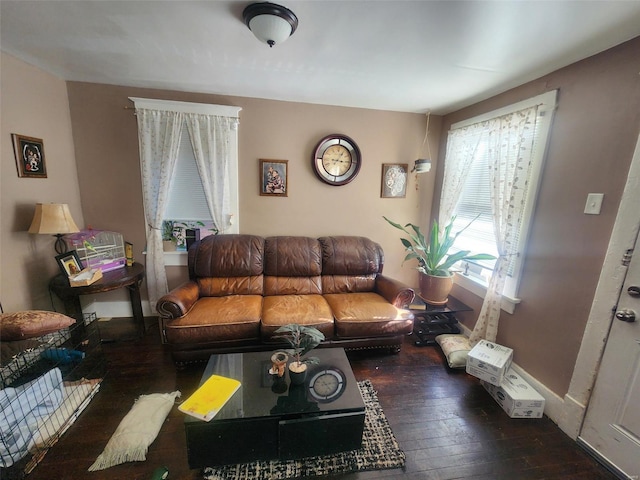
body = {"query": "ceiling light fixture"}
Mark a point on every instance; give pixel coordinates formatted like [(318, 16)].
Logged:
[(270, 23)]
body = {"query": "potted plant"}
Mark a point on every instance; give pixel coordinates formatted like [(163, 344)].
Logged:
[(434, 260), (301, 339), (169, 243)]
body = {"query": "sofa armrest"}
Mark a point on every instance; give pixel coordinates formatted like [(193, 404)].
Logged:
[(394, 291), (178, 301)]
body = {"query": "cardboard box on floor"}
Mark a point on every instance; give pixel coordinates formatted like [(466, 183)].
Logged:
[(517, 397), (489, 361)]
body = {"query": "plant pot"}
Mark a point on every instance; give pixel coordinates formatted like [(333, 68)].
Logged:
[(279, 384), (297, 373), (435, 290), (169, 246), (278, 363)]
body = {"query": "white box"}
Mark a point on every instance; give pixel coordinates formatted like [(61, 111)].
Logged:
[(489, 361), (517, 397)]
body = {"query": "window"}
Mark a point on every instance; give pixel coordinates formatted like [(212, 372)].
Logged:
[(186, 193), (474, 206), (187, 204)]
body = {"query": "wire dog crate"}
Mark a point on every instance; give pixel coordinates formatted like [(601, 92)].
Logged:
[(46, 383)]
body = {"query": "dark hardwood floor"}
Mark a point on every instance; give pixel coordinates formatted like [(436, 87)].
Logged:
[(444, 420)]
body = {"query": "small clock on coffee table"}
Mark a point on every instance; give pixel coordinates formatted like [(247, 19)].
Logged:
[(327, 385)]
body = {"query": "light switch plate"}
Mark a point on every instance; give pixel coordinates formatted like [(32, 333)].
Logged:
[(594, 203)]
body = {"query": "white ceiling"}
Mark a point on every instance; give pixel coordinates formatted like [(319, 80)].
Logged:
[(409, 56)]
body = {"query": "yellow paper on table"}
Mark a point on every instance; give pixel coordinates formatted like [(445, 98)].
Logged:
[(210, 397)]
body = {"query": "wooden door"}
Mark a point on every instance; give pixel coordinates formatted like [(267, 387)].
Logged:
[(612, 424)]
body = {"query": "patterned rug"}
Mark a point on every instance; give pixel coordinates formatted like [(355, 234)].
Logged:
[(380, 450)]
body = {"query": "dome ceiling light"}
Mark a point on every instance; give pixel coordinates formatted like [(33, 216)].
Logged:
[(270, 23)]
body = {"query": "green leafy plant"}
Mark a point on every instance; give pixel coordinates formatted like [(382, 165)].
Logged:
[(175, 231), (433, 253), (167, 231), (301, 339)]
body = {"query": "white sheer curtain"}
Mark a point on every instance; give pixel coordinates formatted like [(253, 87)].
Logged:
[(510, 156), (159, 141), (462, 146), (210, 137)]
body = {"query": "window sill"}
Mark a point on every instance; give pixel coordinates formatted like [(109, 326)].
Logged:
[(174, 259), (480, 289)]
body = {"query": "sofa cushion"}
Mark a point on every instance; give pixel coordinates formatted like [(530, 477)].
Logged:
[(234, 317), (222, 286), (350, 264), (292, 285), (309, 310), (367, 314), (292, 266), (292, 257), (227, 256), (31, 323), (348, 255), (348, 283)]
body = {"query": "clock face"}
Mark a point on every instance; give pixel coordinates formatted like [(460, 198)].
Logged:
[(327, 385), (336, 160)]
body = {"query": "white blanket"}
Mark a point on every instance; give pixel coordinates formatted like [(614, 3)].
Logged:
[(22, 409), (137, 430)]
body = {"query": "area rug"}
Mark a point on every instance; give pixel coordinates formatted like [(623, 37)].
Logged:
[(380, 450)]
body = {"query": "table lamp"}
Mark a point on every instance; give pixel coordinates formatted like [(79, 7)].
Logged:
[(54, 219)]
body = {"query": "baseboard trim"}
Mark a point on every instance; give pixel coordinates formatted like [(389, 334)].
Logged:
[(574, 412), (117, 308)]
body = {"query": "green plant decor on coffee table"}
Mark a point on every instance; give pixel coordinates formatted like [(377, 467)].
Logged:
[(302, 340)]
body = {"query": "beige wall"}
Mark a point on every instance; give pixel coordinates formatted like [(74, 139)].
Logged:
[(592, 142), (106, 143), (35, 104)]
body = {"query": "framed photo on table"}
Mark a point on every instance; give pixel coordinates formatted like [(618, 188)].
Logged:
[(29, 153), (69, 263), (394, 180), (274, 178)]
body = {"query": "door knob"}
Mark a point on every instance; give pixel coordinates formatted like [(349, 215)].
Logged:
[(626, 315), (634, 291)]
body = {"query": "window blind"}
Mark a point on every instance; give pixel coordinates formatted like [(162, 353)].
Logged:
[(475, 203), (186, 194)]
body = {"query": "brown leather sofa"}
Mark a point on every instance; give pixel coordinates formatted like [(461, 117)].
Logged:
[(243, 287)]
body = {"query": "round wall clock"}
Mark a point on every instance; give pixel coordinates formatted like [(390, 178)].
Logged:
[(327, 384), (336, 159)]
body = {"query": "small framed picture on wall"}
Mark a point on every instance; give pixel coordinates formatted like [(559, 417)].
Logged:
[(394, 180), (29, 153), (274, 178)]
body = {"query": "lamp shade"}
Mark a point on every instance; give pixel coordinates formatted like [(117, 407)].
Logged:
[(270, 23), (53, 218)]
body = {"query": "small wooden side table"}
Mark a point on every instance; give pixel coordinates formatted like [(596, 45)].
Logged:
[(433, 320), (129, 277)]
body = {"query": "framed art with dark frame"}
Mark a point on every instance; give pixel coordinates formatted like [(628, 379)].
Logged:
[(69, 263), (29, 153), (394, 180), (274, 178)]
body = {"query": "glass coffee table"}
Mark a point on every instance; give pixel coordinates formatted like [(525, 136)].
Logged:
[(268, 418)]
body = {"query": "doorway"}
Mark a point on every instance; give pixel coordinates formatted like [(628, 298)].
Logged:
[(602, 336)]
